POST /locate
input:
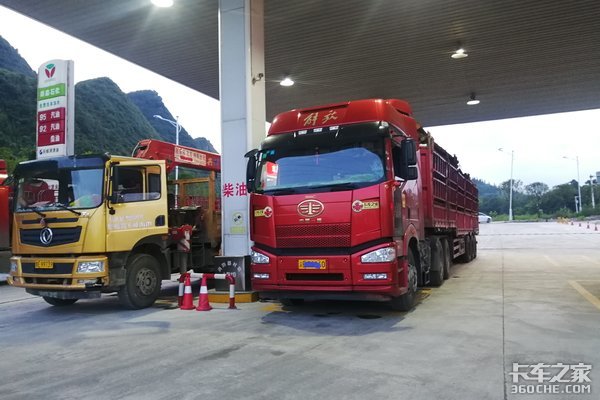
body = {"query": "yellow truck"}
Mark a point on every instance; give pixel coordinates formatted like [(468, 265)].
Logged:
[(87, 225)]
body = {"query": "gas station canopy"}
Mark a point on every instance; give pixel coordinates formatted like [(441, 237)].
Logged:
[(525, 57)]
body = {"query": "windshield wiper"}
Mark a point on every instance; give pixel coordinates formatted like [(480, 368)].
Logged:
[(338, 186), (276, 192), (64, 207), (34, 209)]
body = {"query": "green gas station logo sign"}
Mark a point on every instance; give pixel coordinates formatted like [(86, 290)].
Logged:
[(50, 69), (49, 92)]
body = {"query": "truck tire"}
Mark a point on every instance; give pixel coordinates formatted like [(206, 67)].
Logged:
[(142, 282), (447, 257), (406, 301), (59, 302), (474, 250), (466, 256), (436, 272)]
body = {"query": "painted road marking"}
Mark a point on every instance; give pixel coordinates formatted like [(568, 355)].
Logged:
[(272, 307), (587, 295), (552, 261)]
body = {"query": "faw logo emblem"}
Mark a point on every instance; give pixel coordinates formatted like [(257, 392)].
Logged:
[(50, 70), (310, 208)]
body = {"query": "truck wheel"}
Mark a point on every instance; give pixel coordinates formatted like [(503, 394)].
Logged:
[(436, 277), (59, 302), (474, 249), (142, 282), (466, 256), (447, 257), (406, 301)]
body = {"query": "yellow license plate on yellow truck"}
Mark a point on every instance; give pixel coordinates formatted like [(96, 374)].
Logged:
[(43, 264), (312, 264)]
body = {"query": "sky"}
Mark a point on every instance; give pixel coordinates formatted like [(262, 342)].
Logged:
[(539, 144)]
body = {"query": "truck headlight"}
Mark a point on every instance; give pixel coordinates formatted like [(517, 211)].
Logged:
[(13, 266), (90, 266), (259, 258), (387, 254)]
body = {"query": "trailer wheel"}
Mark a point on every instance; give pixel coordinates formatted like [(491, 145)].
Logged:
[(406, 301), (447, 257), (59, 302), (142, 282), (466, 256), (436, 277)]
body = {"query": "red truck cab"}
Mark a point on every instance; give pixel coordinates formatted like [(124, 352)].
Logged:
[(338, 209)]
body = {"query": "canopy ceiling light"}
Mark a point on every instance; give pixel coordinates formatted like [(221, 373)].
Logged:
[(472, 100), (287, 81), (460, 53), (163, 3)]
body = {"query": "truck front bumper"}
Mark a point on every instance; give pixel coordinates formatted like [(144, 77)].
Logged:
[(329, 276), (52, 274)]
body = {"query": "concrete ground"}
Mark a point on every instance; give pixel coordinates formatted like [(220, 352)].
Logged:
[(531, 296)]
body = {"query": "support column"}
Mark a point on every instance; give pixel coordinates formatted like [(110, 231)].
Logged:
[(242, 94)]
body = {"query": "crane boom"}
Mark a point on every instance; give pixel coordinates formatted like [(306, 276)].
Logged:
[(176, 155)]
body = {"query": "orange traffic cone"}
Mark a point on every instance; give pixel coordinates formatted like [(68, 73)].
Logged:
[(181, 286), (188, 298), (203, 304)]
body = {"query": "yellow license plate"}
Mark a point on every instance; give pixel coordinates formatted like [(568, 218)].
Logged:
[(312, 264), (44, 264)]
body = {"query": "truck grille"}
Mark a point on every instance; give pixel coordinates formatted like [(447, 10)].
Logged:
[(315, 277), (317, 235), (59, 236), (57, 268)]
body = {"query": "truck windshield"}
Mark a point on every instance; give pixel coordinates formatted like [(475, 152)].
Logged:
[(338, 160), (58, 184)]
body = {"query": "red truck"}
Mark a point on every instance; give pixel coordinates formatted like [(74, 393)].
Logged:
[(5, 193), (355, 200)]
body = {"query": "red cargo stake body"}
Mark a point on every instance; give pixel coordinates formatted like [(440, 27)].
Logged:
[(356, 201)]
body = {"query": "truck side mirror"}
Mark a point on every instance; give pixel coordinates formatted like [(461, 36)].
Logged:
[(405, 160), (408, 148), (251, 169), (112, 195)]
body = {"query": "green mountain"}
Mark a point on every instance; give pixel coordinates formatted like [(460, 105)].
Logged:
[(17, 117), (11, 60), (150, 104), (485, 189), (106, 119)]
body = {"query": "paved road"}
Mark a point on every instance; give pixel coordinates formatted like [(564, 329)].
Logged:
[(528, 298)]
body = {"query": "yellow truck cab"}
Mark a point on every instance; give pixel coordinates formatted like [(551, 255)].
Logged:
[(86, 225)]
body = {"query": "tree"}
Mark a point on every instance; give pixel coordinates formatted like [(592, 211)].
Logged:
[(517, 186), (536, 190), (561, 196)]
